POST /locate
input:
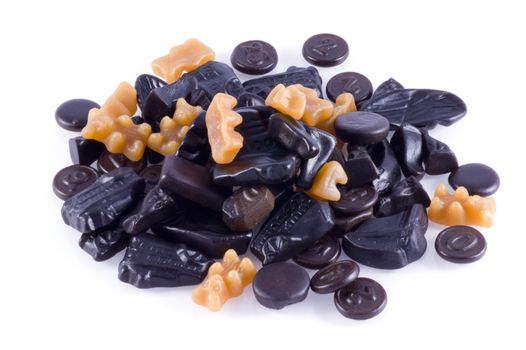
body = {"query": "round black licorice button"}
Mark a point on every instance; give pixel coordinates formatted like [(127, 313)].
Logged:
[(325, 50), (254, 57), (361, 128), (477, 178), (323, 252), (73, 114), (362, 299), (355, 83), (280, 284), (460, 244), (73, 179), (355, 200), (334, 276)]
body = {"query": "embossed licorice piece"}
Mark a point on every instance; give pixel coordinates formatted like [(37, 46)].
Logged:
[(355, 200), (104, 202), (404, 195), (334, 276), (418, 107), (325, 50), (386, 87), (355, 83), (362, 299), (153, 262), (195, 147), (390, 242), (104, 243), (144, 84), (308, 77), (73, 179), (292, 228), (247, 207), (385, 161), (254, 57), (293, 135), (310, 167), (360, 168), (83, 151), (408, 148), (437, 156), (460, 244), (323, 252)]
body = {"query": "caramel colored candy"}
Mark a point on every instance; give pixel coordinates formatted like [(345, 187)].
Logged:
[(113, 126), (325, 181), (182, 59), (460, 208), (225, 280), (344, 104), (173, 130), (221, 120), (300, 102)]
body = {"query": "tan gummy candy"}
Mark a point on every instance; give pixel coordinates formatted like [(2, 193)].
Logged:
[(344, 104), (460, 208), (225, 280), (221, 120), (182, 59), (325, 181), (173, 130), (113, 126), (300, 102)]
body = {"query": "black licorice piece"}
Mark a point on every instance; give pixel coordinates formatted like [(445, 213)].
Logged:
[(157, 206), (247, 99), (72, 115), (73, 179), (247, 207), (195, 146), (83, 151), (108, 162), (309, 167), (104, 243), (104, 202), (151, 176), (478, 179), (355, 200), (335, 276), (360, 168), (418, 107), (404, 195), (361, 128), (325, 50), (386, 87), (193, 182), (438, 158), (294, 227), (362, 299), (347, 223), (293, 135), (308, 77), (144, 84), (355, 83), (408, 148), (153, 262), (460, 244), (390, 242), (254, 57), (323, 252), (214, 77), (385, 161)]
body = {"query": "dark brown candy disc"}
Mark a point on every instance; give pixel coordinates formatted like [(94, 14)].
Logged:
[(477, 178), (355, 200), (324, 251), (254, 57), (460, 244), (362, 299), (325, 50), (108, 162), (355, 83), (335, 276), (73, 179)]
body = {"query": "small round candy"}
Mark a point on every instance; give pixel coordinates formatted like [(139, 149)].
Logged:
[(110, 161), (361, 128), (280, 284), (73, 179), (334, 276), (325, 50), (323, 252), (72, 115), (355, 200), (355, 83), (254, 57), (460, 244), (477, 178), (151, 175), (362, 299)]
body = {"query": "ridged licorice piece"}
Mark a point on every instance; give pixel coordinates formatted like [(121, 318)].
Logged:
[(144, 84), (153, 262), (390, 242), (83, 151), (418, 107), (294, 227), (214, 77), (385, 161), (386, 87), (104, 202), (360, 167), (309, 167), (158, 205), (104, 243), (293, 135), (195, 146), (437, 156), (404, 195), (407, 146), (308, 77)]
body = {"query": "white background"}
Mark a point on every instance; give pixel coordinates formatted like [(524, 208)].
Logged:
[(53, 295)]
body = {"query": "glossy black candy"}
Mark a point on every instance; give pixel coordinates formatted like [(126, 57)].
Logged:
[(309, 167), (308, 77), (195, 146), (248, 99), (360, 168), (292, 228), (460, 244), (408, 148), (404, 195), (151, 176), (293, 135), (347, 223), (362, 299), (73, 179), (83, 151), (418, 107), (355, 200), (385, 161), (72, 115), (193, 182), (247, 207), (153, 262), (438, 158), (144, 84), (390, 242), (104, 243), (214, 77), (104, 202), (335, 276), (386, 87), (323, 252), (281, 284), (254, 57), (355, 83), (361, 128), (108, 162), (325, 50), (477, 178)]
